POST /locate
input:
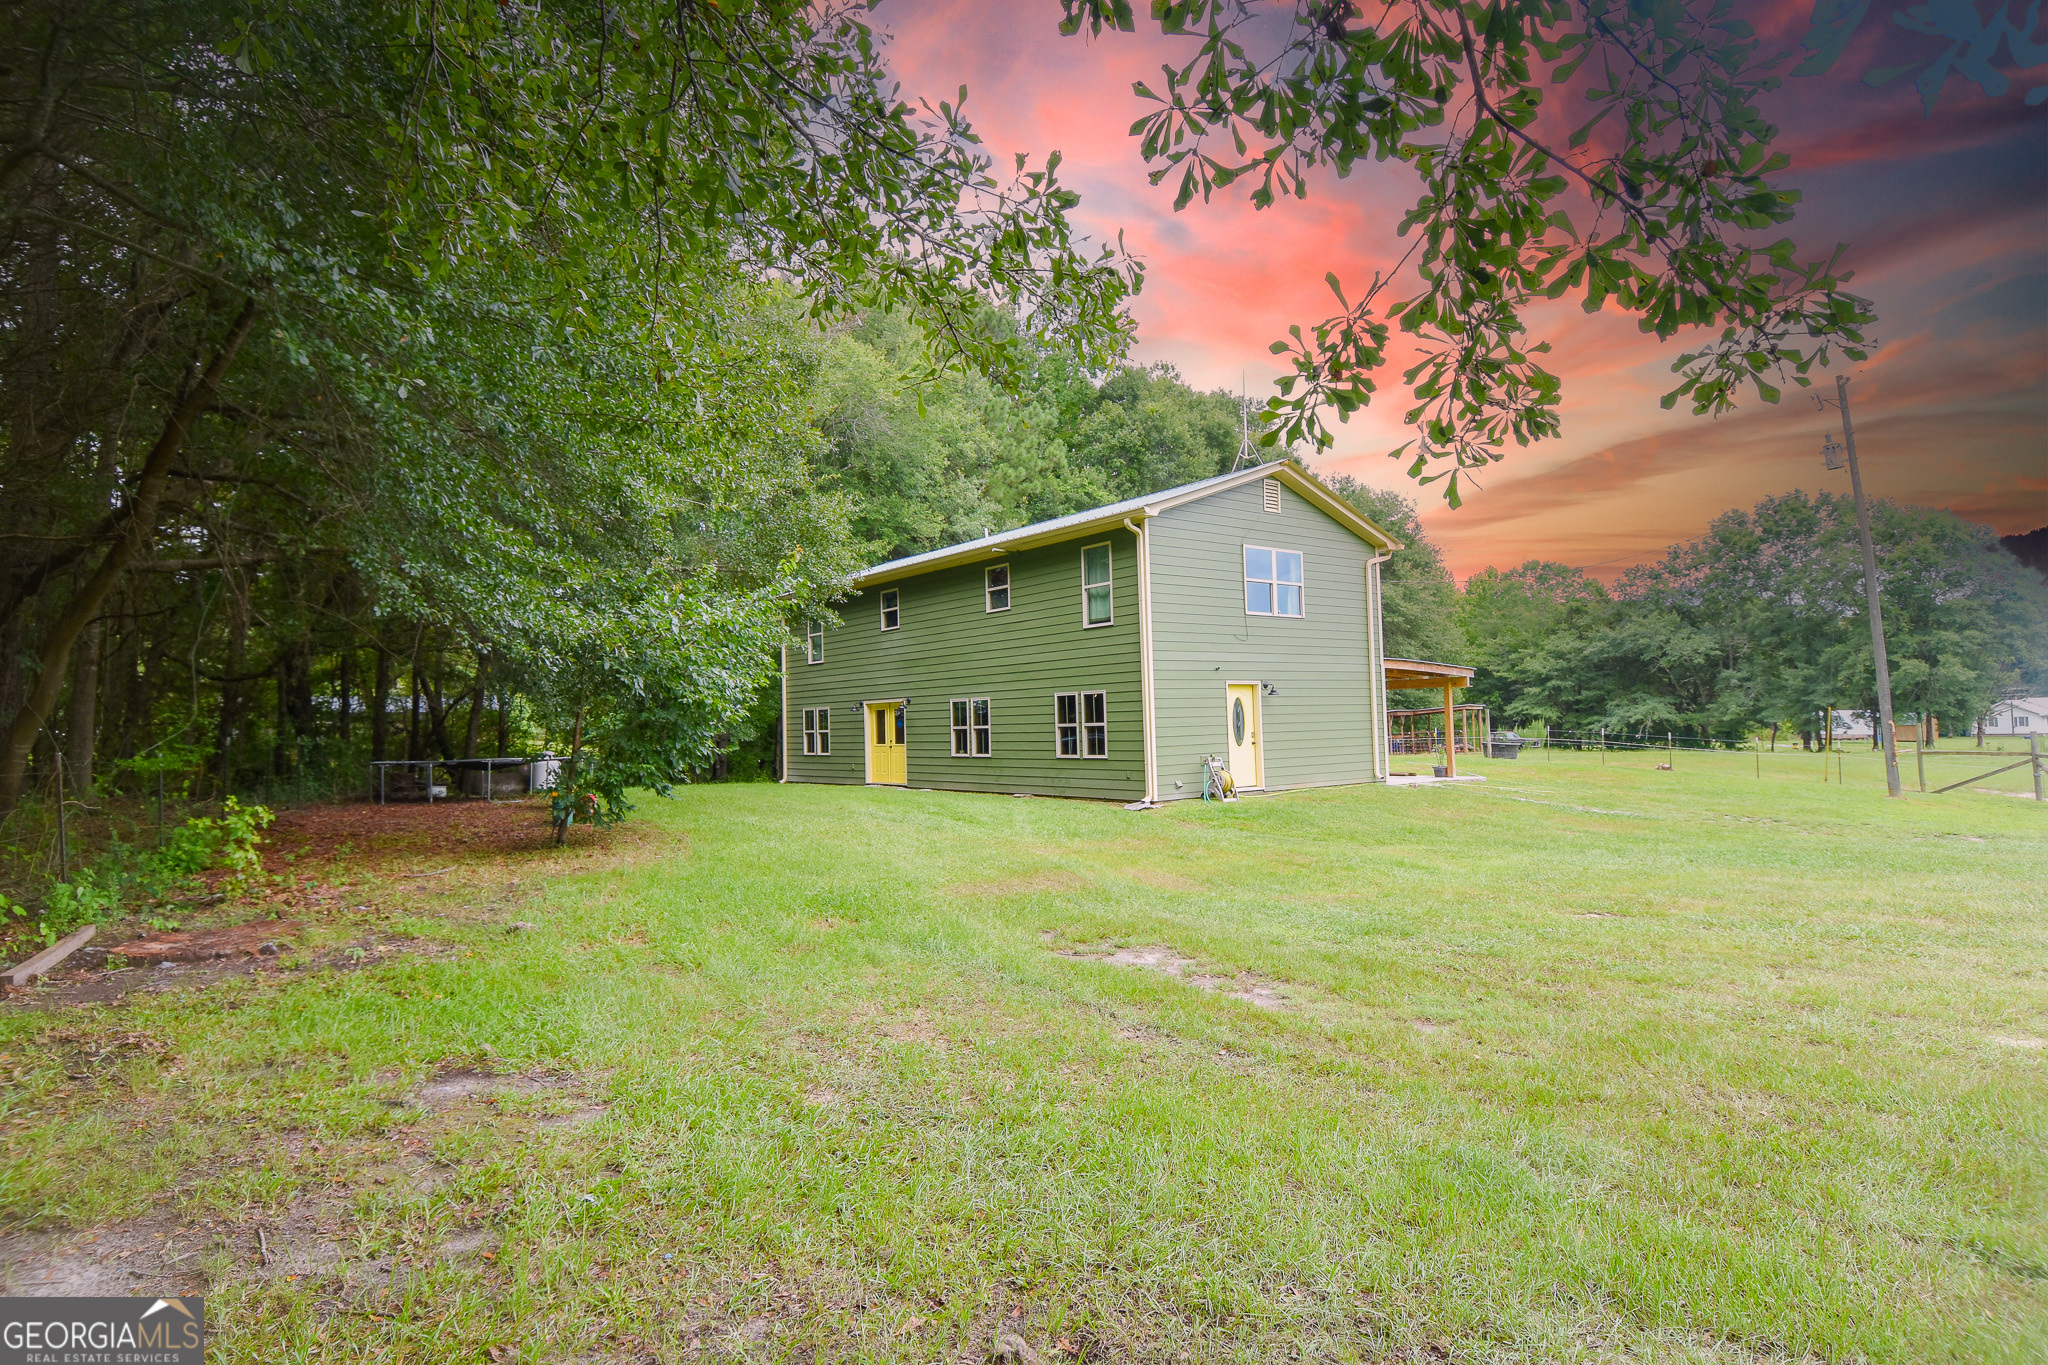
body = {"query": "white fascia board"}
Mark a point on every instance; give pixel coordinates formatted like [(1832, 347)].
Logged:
[(987, 549), (991, 549)]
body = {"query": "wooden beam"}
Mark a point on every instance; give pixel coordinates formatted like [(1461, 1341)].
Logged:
[(41, 963), (1450, 735)]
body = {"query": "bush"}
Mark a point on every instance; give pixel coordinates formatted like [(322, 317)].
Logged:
[(228, 840), (95, 894)]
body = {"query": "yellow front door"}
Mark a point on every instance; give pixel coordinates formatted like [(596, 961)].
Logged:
[(886, 762), (1241, 731)]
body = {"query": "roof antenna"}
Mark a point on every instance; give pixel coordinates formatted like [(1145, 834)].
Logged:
[(1246, 457)]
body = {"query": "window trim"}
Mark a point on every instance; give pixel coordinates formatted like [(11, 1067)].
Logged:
[(1244, 573), (890, 600), (1109, 552), (1080, 725), (989, 589), (814, 640), (972, 727), (817, 722)]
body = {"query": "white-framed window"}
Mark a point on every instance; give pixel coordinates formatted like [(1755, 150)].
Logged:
[(892, 609), (995, 588), (2022, 722), (818, 730), (814, 637), (1095, 725), (1080, 724), (973, 736), (1098, 606), (1272, 495), (1272, 581)]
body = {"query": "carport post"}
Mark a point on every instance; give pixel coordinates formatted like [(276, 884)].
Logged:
[(1450, 735)]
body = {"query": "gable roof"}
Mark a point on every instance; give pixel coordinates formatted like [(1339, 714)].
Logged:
[(1288, 472)]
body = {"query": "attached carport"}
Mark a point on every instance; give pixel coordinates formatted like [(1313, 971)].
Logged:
[(1412, 674)]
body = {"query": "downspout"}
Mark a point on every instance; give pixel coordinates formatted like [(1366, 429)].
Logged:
[(1145, 655), (782, 722), (1376, 660)]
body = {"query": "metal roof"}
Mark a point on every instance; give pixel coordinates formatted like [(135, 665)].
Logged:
[(1288, 471)]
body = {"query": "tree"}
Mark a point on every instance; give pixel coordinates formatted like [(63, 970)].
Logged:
[(944, 460), (1419, 604), (1760, 621), (341, 294), (1528, 628), (1144, 429), (1657, 200)]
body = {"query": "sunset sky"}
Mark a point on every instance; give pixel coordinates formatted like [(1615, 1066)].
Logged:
[(1946, 218)]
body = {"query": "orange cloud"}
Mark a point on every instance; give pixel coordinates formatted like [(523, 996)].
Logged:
[(1947, 217)]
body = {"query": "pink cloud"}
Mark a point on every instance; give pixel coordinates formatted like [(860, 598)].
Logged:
[(1953, 409)]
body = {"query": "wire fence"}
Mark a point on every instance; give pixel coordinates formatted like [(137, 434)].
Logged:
[(1930, 768)]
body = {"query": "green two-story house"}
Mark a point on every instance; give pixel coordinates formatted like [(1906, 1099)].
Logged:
[(1105, 654)]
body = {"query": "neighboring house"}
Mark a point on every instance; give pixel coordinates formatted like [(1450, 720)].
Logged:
[(2025, 717), (2022, 716), (1104, 654)]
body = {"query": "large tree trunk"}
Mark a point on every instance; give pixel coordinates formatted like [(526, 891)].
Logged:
[(82, 718), (567, 786), (54, 651), (227, 733), (281, 724), (344, 691), (476, 708), (295, 701), (437, 711), (380, 709), (412, 726)]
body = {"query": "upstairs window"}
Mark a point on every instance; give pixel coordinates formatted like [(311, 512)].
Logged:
[(1097, 608), (996, 588), (892, 609), (814, 635), (1272, 581), (973, 737), (818, 730)]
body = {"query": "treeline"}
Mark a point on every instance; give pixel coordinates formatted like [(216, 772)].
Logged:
[(388, 382), (1760, 624), (381, 384)]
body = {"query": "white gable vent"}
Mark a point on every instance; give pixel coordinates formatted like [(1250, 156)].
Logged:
[(1272, 495)]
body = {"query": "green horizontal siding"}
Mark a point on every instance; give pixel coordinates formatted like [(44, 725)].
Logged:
[(1318, 730), (949, 646)]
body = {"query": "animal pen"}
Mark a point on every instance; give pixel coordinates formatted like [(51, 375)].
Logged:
[(1420, 730)]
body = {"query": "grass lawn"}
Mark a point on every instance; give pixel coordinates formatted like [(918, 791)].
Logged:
[(1591, 1062)]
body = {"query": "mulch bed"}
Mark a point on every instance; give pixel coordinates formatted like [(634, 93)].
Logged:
[(263, 937), (373, 838)]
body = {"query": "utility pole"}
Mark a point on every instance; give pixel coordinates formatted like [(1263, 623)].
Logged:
[(1884, 672)]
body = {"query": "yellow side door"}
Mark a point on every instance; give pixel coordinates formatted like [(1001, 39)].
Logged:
[(1241, 733), (887, 765)]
